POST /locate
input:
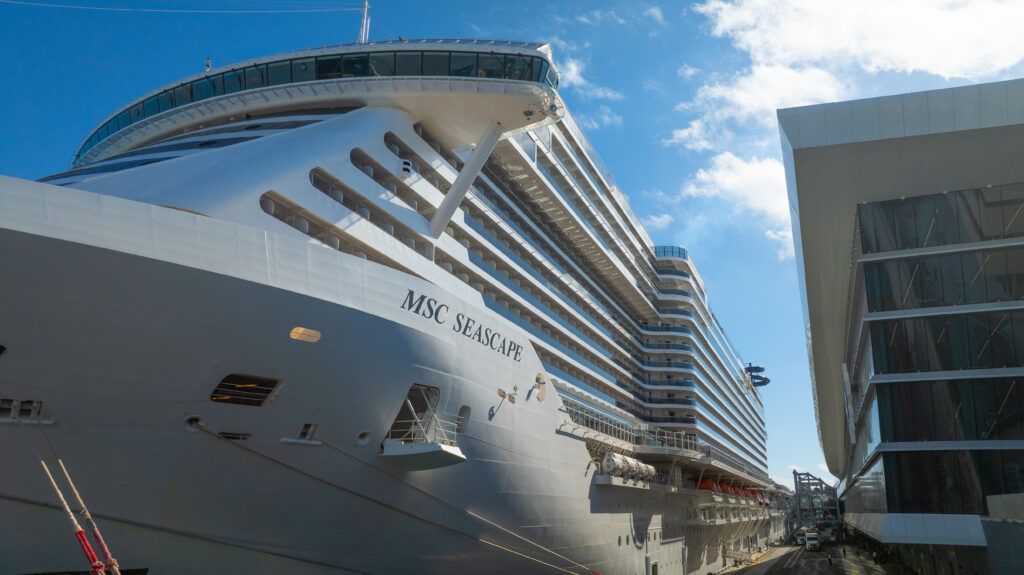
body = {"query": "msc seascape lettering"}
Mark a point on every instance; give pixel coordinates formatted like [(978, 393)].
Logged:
[(431, 308)]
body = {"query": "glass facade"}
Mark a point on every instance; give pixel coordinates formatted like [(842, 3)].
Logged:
[(945, 280), (960, 409), (943, 219), (960, 340), (952, 342), (306, 69), (866, 494), (950, 481)]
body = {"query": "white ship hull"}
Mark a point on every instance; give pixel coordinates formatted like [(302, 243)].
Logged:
[(333, 202), (122, 348)]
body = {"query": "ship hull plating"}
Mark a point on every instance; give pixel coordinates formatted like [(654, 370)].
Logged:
[(123, 335)]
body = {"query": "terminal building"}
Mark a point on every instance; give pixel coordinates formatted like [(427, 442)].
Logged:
[(908, 218)]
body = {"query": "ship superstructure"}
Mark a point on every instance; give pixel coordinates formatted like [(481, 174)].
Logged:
[(399, 290)]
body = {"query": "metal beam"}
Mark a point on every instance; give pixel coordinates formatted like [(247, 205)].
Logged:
[(484, 146)]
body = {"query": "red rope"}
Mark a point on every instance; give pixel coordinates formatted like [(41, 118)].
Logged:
[(90, 555)]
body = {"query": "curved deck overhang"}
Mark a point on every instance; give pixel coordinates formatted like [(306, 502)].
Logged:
[(464, 107), (524, 62)]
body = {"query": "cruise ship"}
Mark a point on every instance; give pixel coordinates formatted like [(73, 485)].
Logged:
[(369, 308)]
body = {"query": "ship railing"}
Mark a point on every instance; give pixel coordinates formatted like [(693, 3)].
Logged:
[(426, 429), (634, 434)]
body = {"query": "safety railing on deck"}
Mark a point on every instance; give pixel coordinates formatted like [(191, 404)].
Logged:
[(429, 429), (642, 435), (639, 435)]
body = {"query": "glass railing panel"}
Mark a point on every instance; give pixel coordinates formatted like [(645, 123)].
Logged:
[(534, 273), (572, 205), (507, 282), (507, 314)]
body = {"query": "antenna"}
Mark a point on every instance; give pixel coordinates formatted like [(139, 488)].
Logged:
[(364, 28)]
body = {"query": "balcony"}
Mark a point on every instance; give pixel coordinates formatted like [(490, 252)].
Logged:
[(669, 400), (672, 272)]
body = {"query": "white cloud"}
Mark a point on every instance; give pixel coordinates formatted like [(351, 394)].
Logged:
[(809, 51), (783, 480), (658, 222), (687, 71), (572, 77), (654, 86), (946, 38), (564, 45), (604, 118), (754, 187), (697, 136), (654, 13), (595, 17), (756, 93)]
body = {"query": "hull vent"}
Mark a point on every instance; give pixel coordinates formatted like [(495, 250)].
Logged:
[(242, 389), (234, 435)]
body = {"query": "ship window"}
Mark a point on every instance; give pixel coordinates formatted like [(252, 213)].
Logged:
[(540, 67), (150, 107), (241, 389), (136, 112), (353, 65), (491, 65), (279, 73), (165, 100), (327, 68), (517, 68), (124, 119), (2, 350), (233, 81), (382, 64), (207, 88), (303, 70), (182, 95), (255, 77), (408, 64), (435, 63), (463, 64)]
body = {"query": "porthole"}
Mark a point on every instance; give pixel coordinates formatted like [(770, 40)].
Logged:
[(620, 540), (363, 438), (627, 539)]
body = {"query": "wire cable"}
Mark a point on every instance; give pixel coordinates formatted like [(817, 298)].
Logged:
[(177, 10)]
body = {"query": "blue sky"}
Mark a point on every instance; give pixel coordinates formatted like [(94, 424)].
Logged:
[(679, 99)]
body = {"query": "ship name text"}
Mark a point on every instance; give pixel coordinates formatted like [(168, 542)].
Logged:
[(465, 325)]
